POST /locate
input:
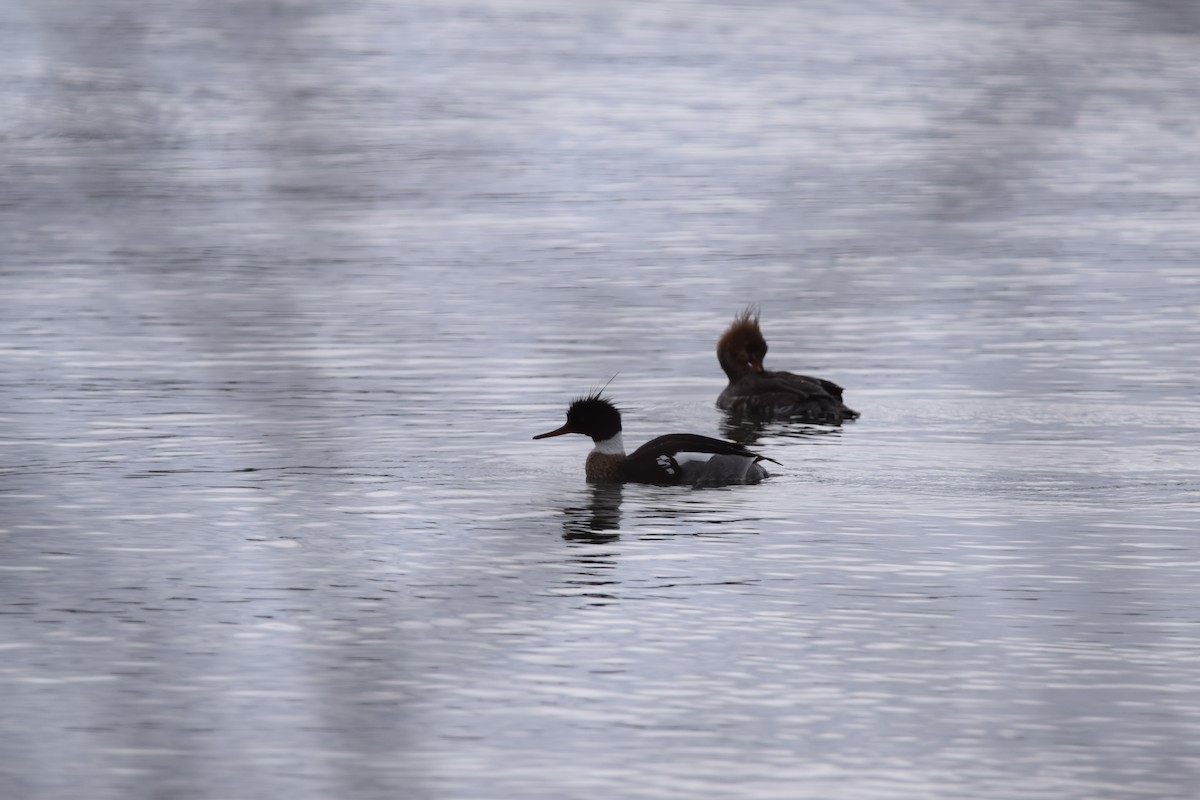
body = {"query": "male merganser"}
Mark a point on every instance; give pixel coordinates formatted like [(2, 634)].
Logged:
[(677, 458), (754, 391)]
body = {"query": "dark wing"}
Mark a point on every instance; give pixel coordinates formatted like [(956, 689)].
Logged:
[(693, 443), (802, 387), (787, 393), (655, 461)]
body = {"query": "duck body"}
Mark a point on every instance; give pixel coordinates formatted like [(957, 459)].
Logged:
[(786, 394), (677, 458), (757, 392), (688, 458)]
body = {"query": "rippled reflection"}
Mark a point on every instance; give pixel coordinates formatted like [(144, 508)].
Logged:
[(599, 520), (750, 430), (286, 288)]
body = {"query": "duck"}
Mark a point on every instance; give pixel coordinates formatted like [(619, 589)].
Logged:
[(674, 459), (758, 392)]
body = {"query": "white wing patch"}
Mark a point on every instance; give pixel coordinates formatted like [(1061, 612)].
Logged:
[(685, 458), (665, 463)]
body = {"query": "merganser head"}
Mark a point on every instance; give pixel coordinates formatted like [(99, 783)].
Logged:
[(742, 348), (592, 415)]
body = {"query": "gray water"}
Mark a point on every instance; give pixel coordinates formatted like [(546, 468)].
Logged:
[(287, 287)]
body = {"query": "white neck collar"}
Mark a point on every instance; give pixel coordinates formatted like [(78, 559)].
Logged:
[(611, 447)]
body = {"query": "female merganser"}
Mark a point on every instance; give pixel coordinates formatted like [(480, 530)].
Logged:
[(754, 391), (677, 458)]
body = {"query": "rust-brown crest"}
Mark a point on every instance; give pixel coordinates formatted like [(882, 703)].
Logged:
[(742, 347)]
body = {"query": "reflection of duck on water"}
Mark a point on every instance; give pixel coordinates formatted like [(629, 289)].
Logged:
[(677, 458), (756, 391), (747, 431), (598, 520)]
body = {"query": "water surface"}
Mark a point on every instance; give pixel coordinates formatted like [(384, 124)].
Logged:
[(288, 288)]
